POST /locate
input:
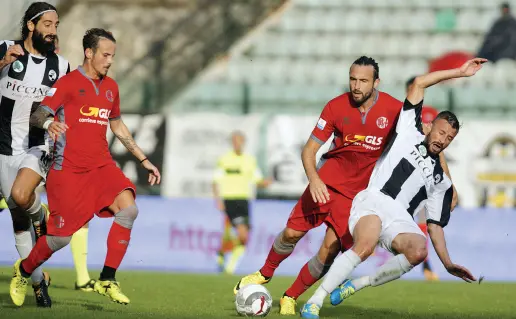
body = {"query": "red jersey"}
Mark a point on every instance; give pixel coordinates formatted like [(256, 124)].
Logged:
[(86, 106), (359, 140)]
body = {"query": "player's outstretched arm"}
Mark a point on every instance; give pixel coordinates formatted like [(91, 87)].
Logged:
[(436, 233), (416, 91), (123, 134)]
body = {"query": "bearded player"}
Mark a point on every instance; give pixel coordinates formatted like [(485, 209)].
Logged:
[(362, 123), (83, 179), (29, 67)]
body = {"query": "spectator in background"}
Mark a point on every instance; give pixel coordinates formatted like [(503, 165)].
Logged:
[(500, 42), (428, 114), (236, 173)]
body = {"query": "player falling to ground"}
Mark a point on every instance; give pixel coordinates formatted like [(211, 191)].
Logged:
[(29, 68), (428, 114), (83, 179), (406, 177), (236, 172), (362, 122)]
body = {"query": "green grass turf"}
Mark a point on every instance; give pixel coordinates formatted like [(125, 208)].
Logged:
[(163, 295)]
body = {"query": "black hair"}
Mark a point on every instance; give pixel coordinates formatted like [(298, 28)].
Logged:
[(364, 60), (92, 37), (34, 9), (450, 117), (505, 5), (409, 82)]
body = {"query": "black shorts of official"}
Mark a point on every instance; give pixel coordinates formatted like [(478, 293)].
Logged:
[(237, 211)]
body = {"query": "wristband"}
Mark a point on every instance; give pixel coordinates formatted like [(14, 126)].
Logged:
[(143, 160), (47, 124)]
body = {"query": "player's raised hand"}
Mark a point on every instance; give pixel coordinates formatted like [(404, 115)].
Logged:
[(56, 128), (319, 191), (154, 175), (12, 53), (472, 66), (461, 272)]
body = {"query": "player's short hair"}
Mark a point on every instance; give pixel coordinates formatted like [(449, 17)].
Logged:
[(364, 60), (33, 14), (92, 37), (450, 117), (409, 82)]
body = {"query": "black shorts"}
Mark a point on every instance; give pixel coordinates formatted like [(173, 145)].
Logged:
[(237, 211)]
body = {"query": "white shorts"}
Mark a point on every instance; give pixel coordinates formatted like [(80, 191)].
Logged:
[(11, 164), (395, 219)]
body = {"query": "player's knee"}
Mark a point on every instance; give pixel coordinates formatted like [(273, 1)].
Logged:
[(55, 243), (21, 197), (291, 236), (127, 216), (417, 255), (364, 248)]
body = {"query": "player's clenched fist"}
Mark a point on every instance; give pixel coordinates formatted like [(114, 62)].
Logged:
[(56, 128), (319, 191), (12, 53)]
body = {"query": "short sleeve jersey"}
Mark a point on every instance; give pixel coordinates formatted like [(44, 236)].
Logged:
[(86, 106), (235, 175), (359, 140)]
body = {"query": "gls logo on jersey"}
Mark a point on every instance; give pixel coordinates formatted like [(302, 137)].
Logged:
[(95, 112), (369, 142)]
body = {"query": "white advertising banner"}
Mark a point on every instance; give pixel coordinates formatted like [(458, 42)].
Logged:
[(482, 162), (194, 144), (286, 136)]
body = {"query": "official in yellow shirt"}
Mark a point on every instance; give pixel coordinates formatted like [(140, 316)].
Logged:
[(235, 175)]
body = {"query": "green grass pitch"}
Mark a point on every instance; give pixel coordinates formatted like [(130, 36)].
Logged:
[(164, 296)]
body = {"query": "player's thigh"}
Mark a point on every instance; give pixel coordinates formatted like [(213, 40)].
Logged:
[(25, 183), (338, 219), (306, 215), (405, 237), (8, 171), (123, 200), (115, 191)]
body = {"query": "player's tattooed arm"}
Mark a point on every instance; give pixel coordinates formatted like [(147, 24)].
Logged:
[(125, 137), (39, 117)]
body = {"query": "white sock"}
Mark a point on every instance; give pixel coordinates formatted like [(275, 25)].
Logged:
[(393, 269), (24, 243), (342, 267), (361, 282)]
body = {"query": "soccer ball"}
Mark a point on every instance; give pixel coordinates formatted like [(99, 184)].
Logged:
[(253, 301)]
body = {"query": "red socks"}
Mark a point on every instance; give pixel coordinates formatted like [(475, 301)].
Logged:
[(117, 242), (273, 261), (38, 255), (303, 282)]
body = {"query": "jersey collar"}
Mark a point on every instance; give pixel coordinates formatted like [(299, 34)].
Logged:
[(97, 89)]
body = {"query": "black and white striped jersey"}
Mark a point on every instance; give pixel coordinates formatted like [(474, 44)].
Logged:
[(23, 85), (409, 174)]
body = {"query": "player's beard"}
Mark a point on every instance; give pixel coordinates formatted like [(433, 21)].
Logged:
[(41, 44), (358, 103), (430, 146)]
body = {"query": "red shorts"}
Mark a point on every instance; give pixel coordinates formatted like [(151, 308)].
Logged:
[(307, 215), (74, 198)]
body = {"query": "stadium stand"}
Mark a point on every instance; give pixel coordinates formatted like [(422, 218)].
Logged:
[(300, 59)]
